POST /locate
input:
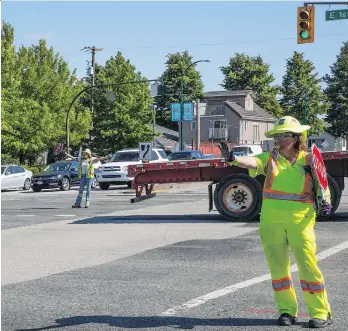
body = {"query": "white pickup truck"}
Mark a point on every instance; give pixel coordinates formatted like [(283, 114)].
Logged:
[(116, 171)]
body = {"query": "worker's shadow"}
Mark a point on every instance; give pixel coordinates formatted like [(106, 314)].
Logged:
[(146, 322)]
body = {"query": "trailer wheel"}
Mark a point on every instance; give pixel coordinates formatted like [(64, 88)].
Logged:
[(336, 194), (238, 197)]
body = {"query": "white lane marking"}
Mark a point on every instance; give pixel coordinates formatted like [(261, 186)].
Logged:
[(26, 215), (232, 288), (64, 215)]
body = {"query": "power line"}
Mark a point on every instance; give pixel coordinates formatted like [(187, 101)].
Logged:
[(226, 42)]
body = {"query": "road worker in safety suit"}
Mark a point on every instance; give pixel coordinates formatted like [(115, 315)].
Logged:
[(287, 220)]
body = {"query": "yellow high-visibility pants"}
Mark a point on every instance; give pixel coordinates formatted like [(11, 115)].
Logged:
[(276, 239)]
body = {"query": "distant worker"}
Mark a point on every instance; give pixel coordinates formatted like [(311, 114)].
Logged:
[(86, 175), (288, 218)]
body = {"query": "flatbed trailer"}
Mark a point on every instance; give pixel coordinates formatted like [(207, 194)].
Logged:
[(236, 195)]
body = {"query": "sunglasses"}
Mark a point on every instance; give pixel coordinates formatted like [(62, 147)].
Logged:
[(283, 135)]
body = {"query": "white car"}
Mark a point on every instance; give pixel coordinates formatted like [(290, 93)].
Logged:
[(14, 176), (116, 171)]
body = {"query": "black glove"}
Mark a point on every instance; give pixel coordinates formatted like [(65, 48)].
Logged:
[(325, 208), (226, 152)]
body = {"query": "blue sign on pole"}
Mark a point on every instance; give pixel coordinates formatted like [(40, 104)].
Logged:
[(188, 111), (175, 111)]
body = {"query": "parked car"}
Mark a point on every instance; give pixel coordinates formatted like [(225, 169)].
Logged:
[(116, 171), (14, 176), (62, 174), (188, 155)]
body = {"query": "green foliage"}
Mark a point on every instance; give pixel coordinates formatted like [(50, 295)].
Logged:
[(337, 92), (37, 88), (34, 169), (178, 65), (302, 97), (124, 122), (251, 73)]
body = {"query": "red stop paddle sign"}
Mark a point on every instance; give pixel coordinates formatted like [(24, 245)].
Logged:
[(319, 167), (57, 149)]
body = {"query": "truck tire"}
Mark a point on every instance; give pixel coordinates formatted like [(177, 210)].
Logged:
[(238, 197), (104, 186), (336, 195)]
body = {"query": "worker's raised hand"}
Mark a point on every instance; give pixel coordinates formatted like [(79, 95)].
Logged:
[(226, 152)]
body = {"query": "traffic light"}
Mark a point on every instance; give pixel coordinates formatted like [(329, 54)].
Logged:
[(305, 25)]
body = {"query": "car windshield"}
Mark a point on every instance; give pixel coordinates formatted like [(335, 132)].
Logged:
[(125, 156), (241, 149), (179, 156), (58, 167), (3, 169)]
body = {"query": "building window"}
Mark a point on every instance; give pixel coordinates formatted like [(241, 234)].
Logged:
[(317, 142), (245, 125), (219, 130), (193, 125), (256, 132), (220, 124)]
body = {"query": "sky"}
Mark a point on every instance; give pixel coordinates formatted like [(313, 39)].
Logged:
[(145, 32)]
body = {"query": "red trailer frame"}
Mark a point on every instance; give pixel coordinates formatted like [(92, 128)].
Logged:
[(217, 171)]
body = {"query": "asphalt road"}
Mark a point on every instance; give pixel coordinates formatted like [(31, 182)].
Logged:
[(164, 265), (23, 208)]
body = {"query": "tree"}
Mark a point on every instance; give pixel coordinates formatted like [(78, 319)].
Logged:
[(251, 73), (37, 88), (10, 81), (124, 122), (176, 68), (337, 93), (47, 79), (302, 96)]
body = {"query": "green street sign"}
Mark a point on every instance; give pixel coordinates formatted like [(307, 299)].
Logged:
[(333, 15)]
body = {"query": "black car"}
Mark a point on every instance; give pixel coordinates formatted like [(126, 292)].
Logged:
[(62, 174)]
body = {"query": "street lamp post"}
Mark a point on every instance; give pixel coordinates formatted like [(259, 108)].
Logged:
[(93, 87), (181, 136)]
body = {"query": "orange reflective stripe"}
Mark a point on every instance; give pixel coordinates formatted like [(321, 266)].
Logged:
[(271, 172), (306, 196)]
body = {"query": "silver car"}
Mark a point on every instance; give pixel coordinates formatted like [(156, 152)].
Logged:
[(14, 176)]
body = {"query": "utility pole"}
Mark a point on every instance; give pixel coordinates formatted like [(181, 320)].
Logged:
[(198, 126), (92, 49)]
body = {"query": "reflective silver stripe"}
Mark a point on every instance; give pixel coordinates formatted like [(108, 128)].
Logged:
[(312, 287), (287, 196), (284, 283)]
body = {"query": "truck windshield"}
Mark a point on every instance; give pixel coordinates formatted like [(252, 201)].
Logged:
[(125, 156)]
